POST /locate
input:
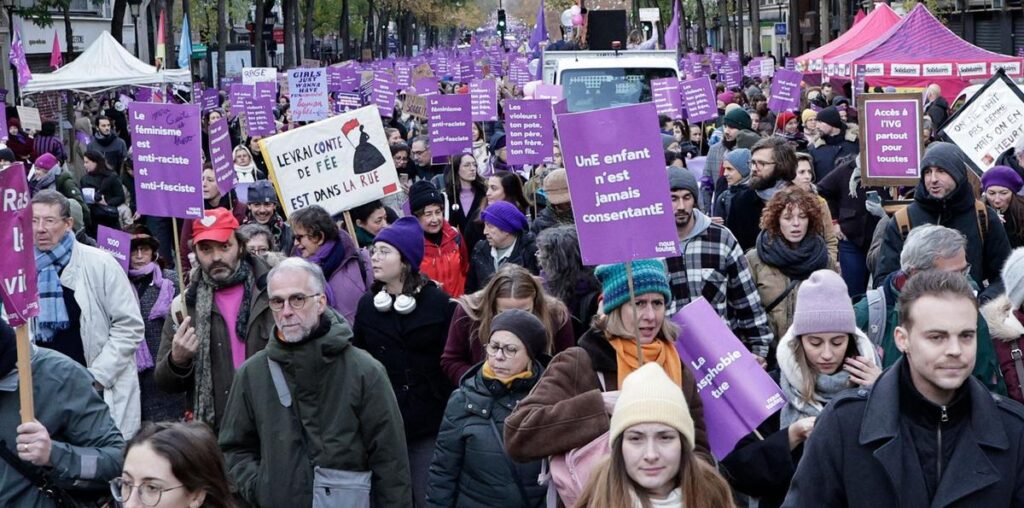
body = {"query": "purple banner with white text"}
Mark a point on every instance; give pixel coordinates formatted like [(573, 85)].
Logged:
[(18, 271), (117, 243), (699, 99), (450, 119), (167, 152), (530, 134)]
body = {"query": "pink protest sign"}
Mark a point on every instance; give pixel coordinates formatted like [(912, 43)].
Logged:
[(737, 393), (18, 271), (617, 182)]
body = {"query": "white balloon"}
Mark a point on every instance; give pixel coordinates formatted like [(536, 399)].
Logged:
[(566, 18), (575, 9), (530, 88)]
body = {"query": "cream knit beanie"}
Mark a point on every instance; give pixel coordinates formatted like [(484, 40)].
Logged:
[(650, 396)]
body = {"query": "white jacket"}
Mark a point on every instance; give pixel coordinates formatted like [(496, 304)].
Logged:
[(111, 330)]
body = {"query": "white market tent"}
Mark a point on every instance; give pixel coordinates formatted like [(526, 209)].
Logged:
[(103, 65)]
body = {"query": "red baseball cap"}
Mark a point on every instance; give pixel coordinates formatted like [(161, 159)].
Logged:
[(217, 225)]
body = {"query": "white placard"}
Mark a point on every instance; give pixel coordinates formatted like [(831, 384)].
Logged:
[(30, 120), (990, 123), (252, 75)]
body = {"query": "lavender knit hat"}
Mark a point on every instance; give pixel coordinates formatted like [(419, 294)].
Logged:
[(823, 305), (506, 217)]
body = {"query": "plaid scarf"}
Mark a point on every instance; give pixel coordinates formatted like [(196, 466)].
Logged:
[(53, 315)]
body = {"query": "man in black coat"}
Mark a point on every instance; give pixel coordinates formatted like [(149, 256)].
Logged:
[(836, 142), (772, 167), (937, 108), (927, 433), (944, 196)]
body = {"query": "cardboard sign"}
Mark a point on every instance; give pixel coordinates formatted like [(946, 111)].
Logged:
[(338, 163), (167, 152), (988, 124), (614, 160), (421, 71), (30, 120), (117, 243), (18, 271), (891, 145), (530, 135), (651, 14), (415, 105)]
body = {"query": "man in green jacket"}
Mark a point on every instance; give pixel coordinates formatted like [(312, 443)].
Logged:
[(928, 247), (312, 420)]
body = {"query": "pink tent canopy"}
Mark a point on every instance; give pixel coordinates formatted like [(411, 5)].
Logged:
[(873, 26), (860, 16), (920, 50)]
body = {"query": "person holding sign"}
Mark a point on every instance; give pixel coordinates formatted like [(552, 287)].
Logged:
[(571, 403), (927, 433), (822, 354), (652, 461), (72, 442), (403, 322), (466, 193), (80, 314)]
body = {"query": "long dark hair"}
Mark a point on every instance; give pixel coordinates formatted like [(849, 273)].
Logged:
[(195, 458), (454, 183), (512, 186), (101, 162)]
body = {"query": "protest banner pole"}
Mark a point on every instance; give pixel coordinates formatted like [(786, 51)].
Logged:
[(350, 226), (636, 322), (177, 260), (25, 375)]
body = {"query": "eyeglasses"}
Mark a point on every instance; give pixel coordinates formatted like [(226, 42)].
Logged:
[(493, 348), (149, 494), (377, 251), (258, 251), (761, 164), (296, 302)]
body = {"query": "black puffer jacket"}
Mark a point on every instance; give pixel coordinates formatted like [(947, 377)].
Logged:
[(481, 262), (410, 346), (470, 467)]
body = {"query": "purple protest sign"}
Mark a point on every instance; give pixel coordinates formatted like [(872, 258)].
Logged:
[(259, 117), (699, 99), (266, 90), (403, 74), (790, 64), (550, 92), (785, 94), (167, 155), (342, 79), (18, 271), (5, 134), (347, 101), (308, 89), (146, 95), (450, 120), (530, 135), (424, 86), (891, 148), (117, 243), (220, 155), (3, 95), (383, 91), (484, 96), (733, 75), (737, 393), (614, 160), (211, 98), (239, 93), (665, 93)]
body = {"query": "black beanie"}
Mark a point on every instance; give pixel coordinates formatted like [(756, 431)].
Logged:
[(526, 327), (423, 193), (738, 119), (8, 349), (830, 116)]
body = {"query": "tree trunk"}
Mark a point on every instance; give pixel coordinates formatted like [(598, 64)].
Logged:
[(723, 21), (296, 33), (286, 12), (259, 57), (844, 15), (307, 30), (222, 37), (117, 20), (823, 14), (755, 27), (795, 37), (169, 42), (344, 31), (739, 26), (702, 27), (368, 33)]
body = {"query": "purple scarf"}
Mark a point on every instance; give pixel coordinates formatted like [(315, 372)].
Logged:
[(143, 357), (328, 260)]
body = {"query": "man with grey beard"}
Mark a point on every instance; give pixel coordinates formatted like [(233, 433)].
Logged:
[(311, 419)]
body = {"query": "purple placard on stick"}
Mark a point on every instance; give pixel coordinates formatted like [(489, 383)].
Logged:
[(403, 74), (167, 155), (308, 88), (738, 395), (3, 95), (699, 98), (240, 93), (117, 243), (384, 93), (18, 271), (790, 64), (211, 98), (347, 101), (892, 139), (733, 75), (484, 95), (450, 118), (266, 90), (220, 155), (424, 86), (785, 94), (259, 117), (5, 134), (616, 168), (342, 79), (530, 131), (665, 92)]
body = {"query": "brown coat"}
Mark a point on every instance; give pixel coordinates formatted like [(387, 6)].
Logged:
[(565, 410)]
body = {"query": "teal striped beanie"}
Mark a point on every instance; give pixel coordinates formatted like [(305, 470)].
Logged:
[(649, 276)]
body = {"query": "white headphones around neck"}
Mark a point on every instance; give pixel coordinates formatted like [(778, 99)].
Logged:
[(403, 304)]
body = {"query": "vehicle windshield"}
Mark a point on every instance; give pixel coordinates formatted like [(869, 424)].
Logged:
[(588, 89)]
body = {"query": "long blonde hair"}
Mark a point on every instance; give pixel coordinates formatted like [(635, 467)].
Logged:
[(610, 486), (513, 281), (809, 373), (612, 327)]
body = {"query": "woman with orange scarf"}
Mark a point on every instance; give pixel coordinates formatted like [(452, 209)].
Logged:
[(571, 404)]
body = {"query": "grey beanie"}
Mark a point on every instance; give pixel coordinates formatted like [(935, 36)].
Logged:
[(682, 179), (739, 158), (1013, 277)]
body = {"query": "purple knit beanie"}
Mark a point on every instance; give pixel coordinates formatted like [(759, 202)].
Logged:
[(506, 217), (406, 235), (823, 305), (1002, 176)]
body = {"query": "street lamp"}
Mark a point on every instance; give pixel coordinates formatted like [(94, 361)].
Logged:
[(134, 6)]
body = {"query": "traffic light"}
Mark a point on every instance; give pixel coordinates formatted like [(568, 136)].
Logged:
[(501, 22)]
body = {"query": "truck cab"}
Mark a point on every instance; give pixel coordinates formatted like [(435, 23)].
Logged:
[(603, 79)]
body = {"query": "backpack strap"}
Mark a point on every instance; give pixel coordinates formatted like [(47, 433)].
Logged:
[(511, 467), (876, 315), (902, 217), (283, 393), (785, 292), (1018, 362)]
